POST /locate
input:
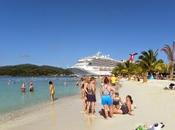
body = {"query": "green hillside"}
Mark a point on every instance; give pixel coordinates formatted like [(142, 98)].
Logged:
[(32, 70)]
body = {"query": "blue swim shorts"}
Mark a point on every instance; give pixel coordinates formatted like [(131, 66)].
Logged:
[(106, 100)]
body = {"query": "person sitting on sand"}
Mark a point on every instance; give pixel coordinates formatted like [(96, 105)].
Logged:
[(126, 108), (91, 96), (116, 101), (106, 98), (52, 90)]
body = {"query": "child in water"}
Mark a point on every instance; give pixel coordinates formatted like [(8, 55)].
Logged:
[(52, 90)]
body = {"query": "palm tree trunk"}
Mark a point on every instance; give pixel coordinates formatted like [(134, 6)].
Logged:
[(172, 71), (145, 77), (129, 77)]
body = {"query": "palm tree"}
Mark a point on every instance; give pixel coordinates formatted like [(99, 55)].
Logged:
[(161, 68), (126, 69), (148, 62), (138, 69), (130, 67), (170, 52), (119, 70)]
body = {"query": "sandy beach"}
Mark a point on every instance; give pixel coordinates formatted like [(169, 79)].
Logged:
[(153, 104)]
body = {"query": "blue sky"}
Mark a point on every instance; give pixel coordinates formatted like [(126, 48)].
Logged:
[(58, 32)]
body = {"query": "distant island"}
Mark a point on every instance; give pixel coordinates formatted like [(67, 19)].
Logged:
[(33, 70)]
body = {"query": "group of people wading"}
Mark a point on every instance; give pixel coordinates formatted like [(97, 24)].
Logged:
[(110, 99)]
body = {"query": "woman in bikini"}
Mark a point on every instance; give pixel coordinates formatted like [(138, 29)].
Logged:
[(106, 98), (84, 87), (52, 90), (91, 96), (126, 108)]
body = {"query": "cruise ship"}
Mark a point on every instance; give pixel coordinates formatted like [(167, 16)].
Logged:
[(97, 65)]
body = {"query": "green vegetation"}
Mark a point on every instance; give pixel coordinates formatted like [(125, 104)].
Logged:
[(149, 63), (170, 52), (33, 70), (126, 69), (146, 63)]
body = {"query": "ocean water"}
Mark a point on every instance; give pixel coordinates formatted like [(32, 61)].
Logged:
[(11, 98)]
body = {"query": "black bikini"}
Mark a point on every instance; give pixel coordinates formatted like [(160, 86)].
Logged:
[(90, 95), (125, 109), (116, 102)]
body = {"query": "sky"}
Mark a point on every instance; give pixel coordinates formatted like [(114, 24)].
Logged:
[(59, 32)]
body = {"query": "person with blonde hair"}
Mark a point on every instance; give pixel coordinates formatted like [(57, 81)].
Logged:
[(85, 84)]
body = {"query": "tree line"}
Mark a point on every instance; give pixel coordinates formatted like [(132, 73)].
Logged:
[(33, 70), (148, 63)]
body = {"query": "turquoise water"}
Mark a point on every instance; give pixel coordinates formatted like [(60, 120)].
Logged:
[(11, 98)]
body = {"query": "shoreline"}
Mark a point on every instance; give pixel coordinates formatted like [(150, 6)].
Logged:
[(9, 116), (153, 104)]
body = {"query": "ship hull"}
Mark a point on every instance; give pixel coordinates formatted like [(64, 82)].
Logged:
[(81, 71)]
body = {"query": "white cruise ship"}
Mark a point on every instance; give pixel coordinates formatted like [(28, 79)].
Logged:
[(95, 65)]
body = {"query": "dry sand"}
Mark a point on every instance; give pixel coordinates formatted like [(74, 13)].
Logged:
[(153, 104)]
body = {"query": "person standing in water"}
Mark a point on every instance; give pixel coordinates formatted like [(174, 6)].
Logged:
[(52, 90), (31, 88), (23, 88)]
